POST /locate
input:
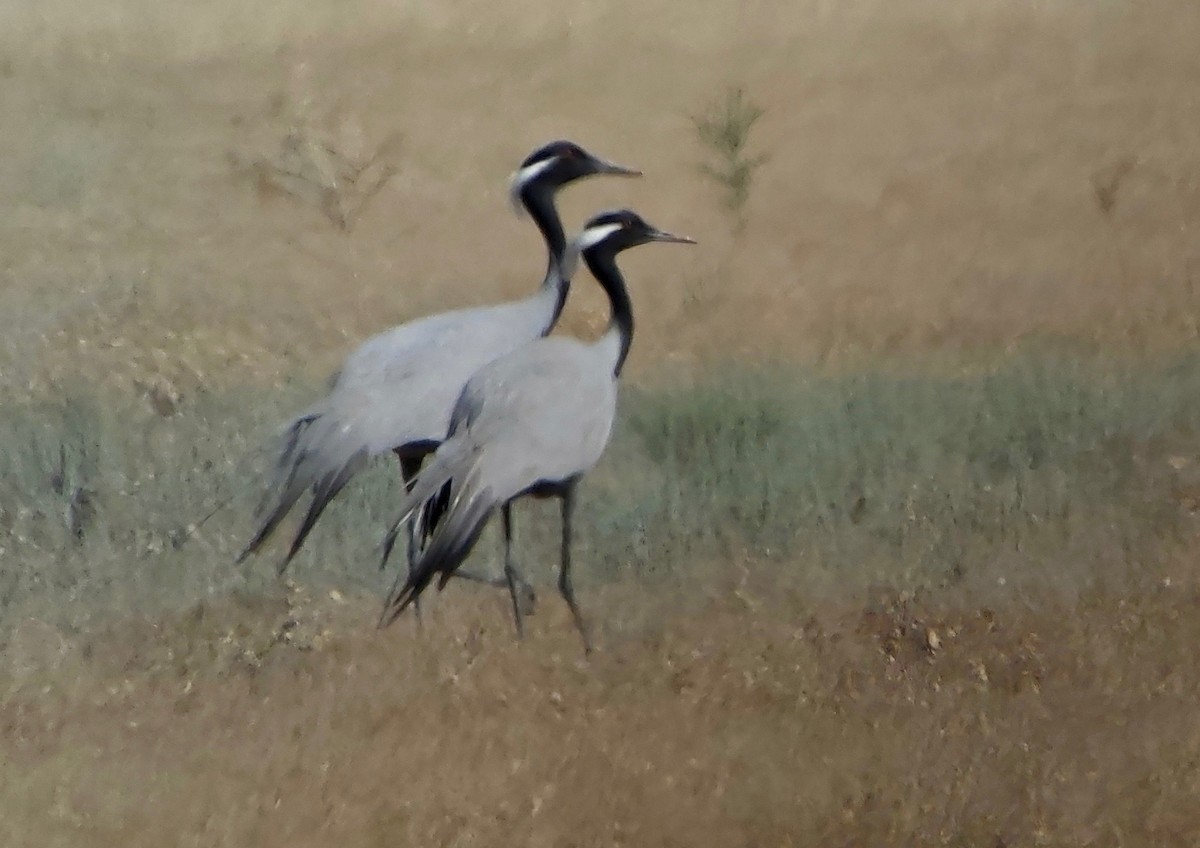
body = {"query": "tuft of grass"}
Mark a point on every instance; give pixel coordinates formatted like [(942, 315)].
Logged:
[(1043, 468), (724, 130)]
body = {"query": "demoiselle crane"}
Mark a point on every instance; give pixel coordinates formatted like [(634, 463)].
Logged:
[(530, 423), (396, 391)]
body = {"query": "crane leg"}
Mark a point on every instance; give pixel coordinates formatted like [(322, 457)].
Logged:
[(512, 576), (564, 576), (526, 594), (409, 467)]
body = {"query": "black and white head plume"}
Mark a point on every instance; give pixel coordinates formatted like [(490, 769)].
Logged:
[(617, 230), (555, 164)]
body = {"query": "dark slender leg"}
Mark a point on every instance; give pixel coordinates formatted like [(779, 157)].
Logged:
[(528, 595), (510, 569), (564, 576), (409, 467)]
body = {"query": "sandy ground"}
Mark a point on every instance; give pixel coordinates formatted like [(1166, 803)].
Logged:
[(750, 719)]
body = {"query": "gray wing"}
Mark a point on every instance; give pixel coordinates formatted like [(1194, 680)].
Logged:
[(401, 386), (397, 389)]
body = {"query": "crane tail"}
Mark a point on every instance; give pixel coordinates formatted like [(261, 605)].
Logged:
[(449, 547), (433, 511), (282, 507), (311, 458), (324, 492), (287, 463), (447, 463), (282, 489), (428, 515)]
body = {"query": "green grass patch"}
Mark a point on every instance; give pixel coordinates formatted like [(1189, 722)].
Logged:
[(1043, 468), (910, 478)]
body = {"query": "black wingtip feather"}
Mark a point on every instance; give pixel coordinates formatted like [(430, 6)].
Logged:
[(324, 492), (445, 553)]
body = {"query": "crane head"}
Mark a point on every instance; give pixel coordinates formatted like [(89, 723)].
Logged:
[(612, 232), (556, 164)]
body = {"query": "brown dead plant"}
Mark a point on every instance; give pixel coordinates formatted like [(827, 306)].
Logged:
[(314, 170)]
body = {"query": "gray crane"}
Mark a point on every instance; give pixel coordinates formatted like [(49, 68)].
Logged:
[(396, 391), (530, 423)]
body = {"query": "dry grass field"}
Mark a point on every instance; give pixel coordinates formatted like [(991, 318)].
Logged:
[(896, 541)]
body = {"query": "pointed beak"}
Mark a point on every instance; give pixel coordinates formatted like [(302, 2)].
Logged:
[(603, 166), (659, 235)]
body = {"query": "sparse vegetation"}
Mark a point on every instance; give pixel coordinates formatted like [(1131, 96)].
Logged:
[(315, 171), (724, 129), (907, 480)]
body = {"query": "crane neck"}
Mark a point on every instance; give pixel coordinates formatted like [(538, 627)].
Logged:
[(538, 200), (603, 265)]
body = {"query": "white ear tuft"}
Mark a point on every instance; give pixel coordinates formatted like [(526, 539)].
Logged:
[(520, 179), (592, 236)]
